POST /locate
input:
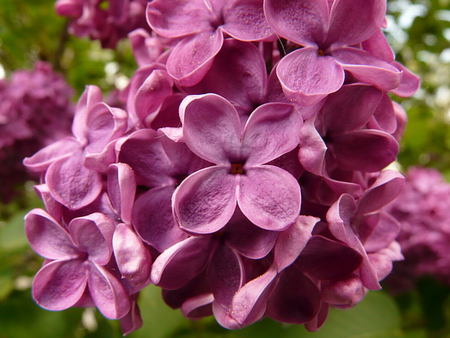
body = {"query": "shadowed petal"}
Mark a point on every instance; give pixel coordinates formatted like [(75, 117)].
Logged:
[(121, 187)]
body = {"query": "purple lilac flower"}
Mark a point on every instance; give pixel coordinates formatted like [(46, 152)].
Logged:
[(422, 210), (107, 21), (244, 176), (35, 111)]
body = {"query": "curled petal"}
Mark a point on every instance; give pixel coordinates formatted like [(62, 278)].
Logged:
[(192, 57), (93, 234), (90, 97), (311, 153), (198, 307), (410, 82), (182, 262), (108, 293), (59, 285), (269, 196), (121, 189)]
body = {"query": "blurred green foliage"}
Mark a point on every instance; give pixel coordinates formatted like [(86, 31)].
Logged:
[(419, 32)]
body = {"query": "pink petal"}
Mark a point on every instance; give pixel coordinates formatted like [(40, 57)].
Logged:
[(269, 196), (133, 259), (108, 293), (58, 285), (312, 150), (302, 21), (205, 201), (307, 78), (121, 187), (211, 127), (272, 130), (47, 237), (192, 57), (91, 96), (410, 82)]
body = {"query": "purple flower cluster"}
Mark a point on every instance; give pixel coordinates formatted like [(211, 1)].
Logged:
[(107, 21), (244, 175), (422, 209), (35, 111)]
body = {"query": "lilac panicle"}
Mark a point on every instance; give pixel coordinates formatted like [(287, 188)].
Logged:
[(245, 175)]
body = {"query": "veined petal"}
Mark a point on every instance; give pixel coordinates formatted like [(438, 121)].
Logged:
[(352, 22), (368, 69), (58, 285), (182, 262), (108, 293), (245, 21), (47, 237), (272, 130), (192, 57), (211, 127), (307, 78), (269, 196), (304, 22), (93, 234), (205, 201), (176, 18), (71, 183)]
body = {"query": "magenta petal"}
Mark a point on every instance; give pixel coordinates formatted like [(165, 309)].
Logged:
[(47, 237), (198, 307), (312, 150), (225, 274), (295, 300), (350, 108), (307, 78), (368, 69), (153, 218), (245, 21), (269, 196), (72, 184), (41, 160), (108, 293), (249, 303), (176, 18), (182, 262), (121, 186), (58, 285), (272, 130), (410, 82), (133, 320), (205, 201), (292, 241), (352, 22), (211, 127), (302, 21), (325, 259), (192, 57), (93, 234), (378, 46), (151, 94), (365, 150), (386, 188), (91, 96), (132, 257)]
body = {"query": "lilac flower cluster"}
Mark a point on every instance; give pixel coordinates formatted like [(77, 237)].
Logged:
[(35, 111), (105, 20), (244, 175), (422, 209)]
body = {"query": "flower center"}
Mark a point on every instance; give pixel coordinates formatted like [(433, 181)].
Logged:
[(237, 168), (320, 52)]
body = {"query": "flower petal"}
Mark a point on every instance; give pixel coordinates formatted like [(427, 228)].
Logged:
[(269, 196), (307, 78), (121, 187), (58, 285), (205, 201)]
